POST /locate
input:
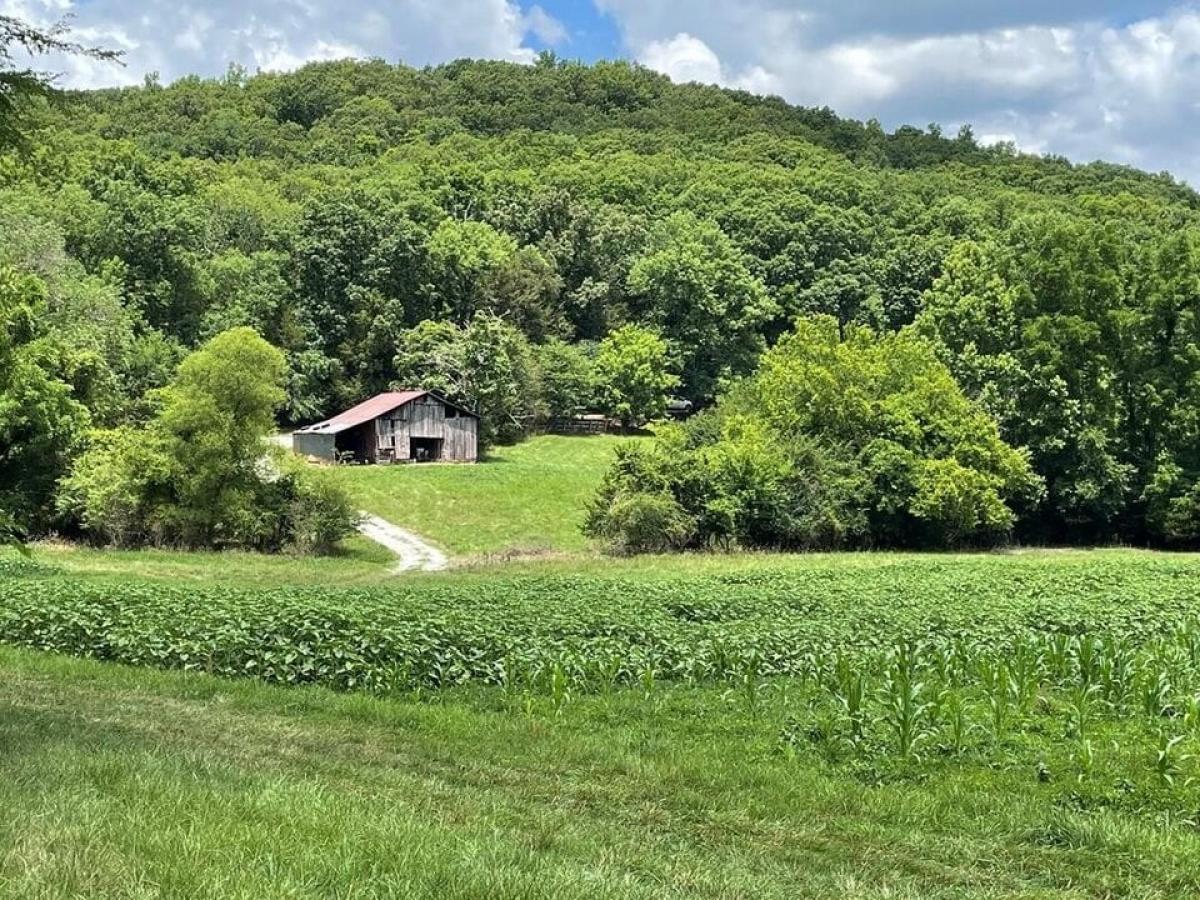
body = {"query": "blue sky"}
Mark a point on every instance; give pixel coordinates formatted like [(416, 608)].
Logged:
[(1088, 80), (591, 34)]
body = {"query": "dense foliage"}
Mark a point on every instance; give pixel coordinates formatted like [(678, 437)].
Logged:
[(339, 208), (21, 84), (198, 473), (41, 419), (837, 441)]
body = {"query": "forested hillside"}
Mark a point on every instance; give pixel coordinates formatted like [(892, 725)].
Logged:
[(531, 212)]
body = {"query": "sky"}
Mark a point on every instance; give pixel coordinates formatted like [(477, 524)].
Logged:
[(1117, 81)]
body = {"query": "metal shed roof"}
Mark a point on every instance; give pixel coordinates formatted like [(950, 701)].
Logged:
[(379, 405)]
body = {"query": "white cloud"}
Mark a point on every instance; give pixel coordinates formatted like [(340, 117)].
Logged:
[(545, 27), (687, 58), (1081, 87), (179, 37), (683, 58)]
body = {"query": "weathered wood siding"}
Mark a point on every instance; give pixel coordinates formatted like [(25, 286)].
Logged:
[(462, 438), (428, 417)]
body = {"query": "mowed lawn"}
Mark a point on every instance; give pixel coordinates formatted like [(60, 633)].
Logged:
[(120, 782), (528, 498)]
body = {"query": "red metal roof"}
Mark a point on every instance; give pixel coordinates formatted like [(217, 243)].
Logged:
[(377, 406), (363, 412)]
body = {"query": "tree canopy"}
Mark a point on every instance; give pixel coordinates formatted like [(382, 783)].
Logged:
[(836, 441), (458, 226), (20, 83)]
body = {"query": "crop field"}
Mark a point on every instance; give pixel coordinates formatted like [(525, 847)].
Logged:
[(1038, 714), (789, 619)]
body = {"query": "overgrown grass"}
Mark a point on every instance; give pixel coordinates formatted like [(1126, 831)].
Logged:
[(119, 782), (358, 561), (528, 498)]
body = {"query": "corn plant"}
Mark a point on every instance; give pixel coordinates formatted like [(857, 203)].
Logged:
[(647, 679), (560, 688), (1191, 713), (1079, 715), (609, 674), (906, 704), (1116, 670), (850, 693), (1154, 692), (1024, 675), (1087, 659), (748, 682), (1085, 759), (958, 725), (1058, 655), (1000, 691), (1166, 761), (1187, 637)]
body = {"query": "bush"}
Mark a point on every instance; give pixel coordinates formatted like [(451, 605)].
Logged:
[(836, 441), (646, 523), (115, 487), (199, 474), (320, 513)]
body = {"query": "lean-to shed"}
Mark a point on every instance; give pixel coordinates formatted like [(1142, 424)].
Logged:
[(398, 426)]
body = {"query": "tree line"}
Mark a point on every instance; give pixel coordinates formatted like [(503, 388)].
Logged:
[(531, 239)]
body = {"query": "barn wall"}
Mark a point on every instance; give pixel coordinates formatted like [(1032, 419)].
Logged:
[(319, 445), (427, 418), (461, 441)]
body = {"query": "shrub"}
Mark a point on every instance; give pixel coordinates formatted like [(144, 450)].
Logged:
[(320, 513), (957, 503), (115, 487), (856, 440), (199, 473), (644, 522)]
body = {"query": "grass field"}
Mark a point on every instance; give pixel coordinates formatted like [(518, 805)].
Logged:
[(122, 782), (358, 561), (528, 498), (837, 725)]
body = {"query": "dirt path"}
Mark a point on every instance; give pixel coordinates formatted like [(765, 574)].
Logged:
[(411, 550)]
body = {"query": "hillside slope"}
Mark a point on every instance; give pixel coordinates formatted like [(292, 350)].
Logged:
[(526, 499), (337, 208)]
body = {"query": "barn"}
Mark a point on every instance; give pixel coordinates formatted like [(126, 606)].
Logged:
[(398, 426)]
